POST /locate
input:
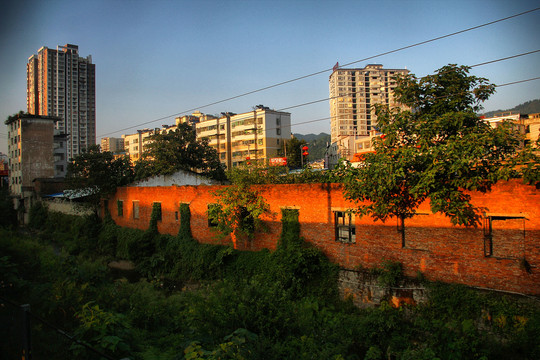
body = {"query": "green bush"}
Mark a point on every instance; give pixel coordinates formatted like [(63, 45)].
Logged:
[(38, 215), (9, 215)]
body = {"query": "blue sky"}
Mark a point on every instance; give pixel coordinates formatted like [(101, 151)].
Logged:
[(159, 58)]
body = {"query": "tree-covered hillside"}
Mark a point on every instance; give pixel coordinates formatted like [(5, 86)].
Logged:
[(316, 143), (528, 107)]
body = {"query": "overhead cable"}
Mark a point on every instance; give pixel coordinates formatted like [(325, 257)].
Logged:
[(325, 70)]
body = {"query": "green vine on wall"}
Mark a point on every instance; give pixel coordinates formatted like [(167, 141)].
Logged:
[(185, 222), (238, 211)]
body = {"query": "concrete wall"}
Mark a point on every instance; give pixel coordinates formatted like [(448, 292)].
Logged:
[(433, 245)]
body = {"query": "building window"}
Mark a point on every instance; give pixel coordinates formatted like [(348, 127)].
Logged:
[(344, 227), (136, 209), (278, 131), (120, 207), (504, 236)]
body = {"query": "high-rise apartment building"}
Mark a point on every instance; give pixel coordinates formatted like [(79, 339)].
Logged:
[(60, 83), (353, 92)]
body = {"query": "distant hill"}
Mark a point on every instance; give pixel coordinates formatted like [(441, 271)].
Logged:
[(528, 107), (316, 144)]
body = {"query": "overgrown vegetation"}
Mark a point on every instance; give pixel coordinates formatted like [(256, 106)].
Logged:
[(434, 151), (241, 305)]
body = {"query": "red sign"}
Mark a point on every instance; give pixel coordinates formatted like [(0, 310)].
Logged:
[(278, 161), (4, 169)]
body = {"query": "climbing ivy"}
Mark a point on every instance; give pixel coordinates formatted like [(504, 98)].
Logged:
[(238, 211), (185, 224)]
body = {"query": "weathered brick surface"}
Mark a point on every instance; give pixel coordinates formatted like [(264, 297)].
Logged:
[(432, 244)]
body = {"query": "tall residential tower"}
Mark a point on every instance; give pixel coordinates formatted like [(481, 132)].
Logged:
[(352, 93), (62, 84)]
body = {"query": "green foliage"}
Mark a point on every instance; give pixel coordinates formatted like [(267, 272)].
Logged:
[(97, 173), (15, 116), (389, 274), (317, 144), (38, 215), (127, 243), (9, 215), (231, 348), (185, 222), (108, 237), (259, 174), (250, 305), (294, 152), (238, 210), (290, 226), (166, 153), (104, 331), (434, 151)]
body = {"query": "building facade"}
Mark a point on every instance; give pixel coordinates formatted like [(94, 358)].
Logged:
[(112, 144), (252, 137), (60, 83), (353, 92), (255, 136)]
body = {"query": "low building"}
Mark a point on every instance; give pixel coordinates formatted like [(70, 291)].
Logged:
[(31, 155)]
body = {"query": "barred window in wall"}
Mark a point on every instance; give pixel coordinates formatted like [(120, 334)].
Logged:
[(504, 236), (344, 227), (135, 209)]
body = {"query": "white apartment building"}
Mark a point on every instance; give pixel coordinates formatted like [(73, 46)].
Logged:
[(112, 144), (255, 136), (353, 92)]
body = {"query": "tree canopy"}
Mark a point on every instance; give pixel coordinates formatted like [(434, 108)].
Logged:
[(434, 150), (98, 172), (166, 153), (293, 152)]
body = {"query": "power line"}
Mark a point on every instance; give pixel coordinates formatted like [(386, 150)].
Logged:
[(326, 70), (518, 82), (471, 66), (439, 97), (506, 58)]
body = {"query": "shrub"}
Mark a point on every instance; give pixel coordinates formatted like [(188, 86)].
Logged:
[(38, 215)]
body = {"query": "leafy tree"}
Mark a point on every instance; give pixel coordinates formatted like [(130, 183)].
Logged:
[(434, 150), (169, 152), (98, 173), (238, 211), (9, 214), (294, 153)]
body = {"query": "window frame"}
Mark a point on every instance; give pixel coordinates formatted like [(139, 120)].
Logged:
[(136, 209), (344, 220)]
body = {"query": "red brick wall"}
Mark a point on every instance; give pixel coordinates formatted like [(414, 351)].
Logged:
[(432, 244)]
